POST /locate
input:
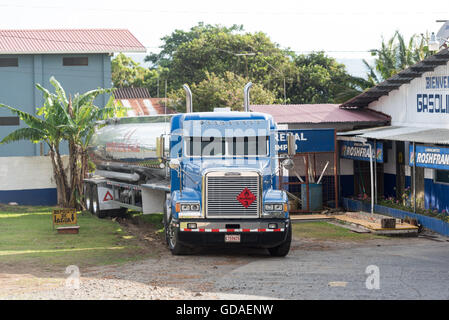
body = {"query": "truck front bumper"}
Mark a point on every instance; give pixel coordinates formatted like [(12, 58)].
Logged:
[(253, 232)]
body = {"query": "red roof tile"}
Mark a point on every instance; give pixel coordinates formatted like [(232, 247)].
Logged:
[(68, 41), (318, 113)]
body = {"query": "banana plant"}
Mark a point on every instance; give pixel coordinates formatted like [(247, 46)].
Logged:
[(65, 119), (49, 132)]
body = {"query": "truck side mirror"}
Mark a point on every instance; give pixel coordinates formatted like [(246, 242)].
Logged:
[(291, 145), (174, 164), (160, 145)]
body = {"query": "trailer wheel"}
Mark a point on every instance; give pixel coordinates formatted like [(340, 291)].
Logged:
[(120, 212), (88, 196), (283, 249), (96, 203)]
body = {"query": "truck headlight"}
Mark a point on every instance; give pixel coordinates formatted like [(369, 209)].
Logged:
[(274, 207), (190, 207), (185, 207), (195, 207)]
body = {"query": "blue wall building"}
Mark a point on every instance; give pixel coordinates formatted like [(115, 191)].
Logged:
[(80, 60)]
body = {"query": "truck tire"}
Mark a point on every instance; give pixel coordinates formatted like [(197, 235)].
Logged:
[(88, 196), (165, 221), (96, 204), (282, 249), (171, 236)]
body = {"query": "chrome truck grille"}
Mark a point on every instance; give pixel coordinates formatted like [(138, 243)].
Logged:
[(227, 196)]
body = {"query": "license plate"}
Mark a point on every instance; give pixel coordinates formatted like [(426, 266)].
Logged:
[(232, 238)]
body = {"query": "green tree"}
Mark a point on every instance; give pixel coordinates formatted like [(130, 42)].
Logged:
[(395, 55), (318, 78), (127, 73), (178, 37), (220, 92), (205, 49), (192, 56), (62, 118)]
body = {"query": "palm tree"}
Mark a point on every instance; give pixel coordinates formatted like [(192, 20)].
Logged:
[(395, 55)]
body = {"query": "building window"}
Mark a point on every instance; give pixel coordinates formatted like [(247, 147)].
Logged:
[(75, 61), (9, 62), (442, 176), (9, 121)]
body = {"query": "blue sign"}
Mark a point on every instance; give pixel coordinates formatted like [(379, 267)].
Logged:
[(307, 140), (430, 157), (359, 151)]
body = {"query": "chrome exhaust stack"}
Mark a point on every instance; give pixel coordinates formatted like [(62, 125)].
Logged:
[(246, 96), (188, 98)]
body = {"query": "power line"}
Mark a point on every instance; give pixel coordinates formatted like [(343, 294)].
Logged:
[(231, 12)]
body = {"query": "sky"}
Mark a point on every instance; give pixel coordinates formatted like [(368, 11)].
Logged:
[(345, 30)]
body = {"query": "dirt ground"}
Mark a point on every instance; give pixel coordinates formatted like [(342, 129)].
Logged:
[(207, 274)]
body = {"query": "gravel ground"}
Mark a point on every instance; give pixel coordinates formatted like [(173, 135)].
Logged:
[(410, 268)]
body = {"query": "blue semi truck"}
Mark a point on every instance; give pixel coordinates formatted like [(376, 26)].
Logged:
[(212, 174)]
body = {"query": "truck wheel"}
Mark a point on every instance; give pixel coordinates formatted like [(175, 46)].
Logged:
[(96, 204), (88, 196), (165, 221), (167, 214), (172, 240), (282, 249)]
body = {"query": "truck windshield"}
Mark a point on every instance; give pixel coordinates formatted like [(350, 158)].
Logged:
[(218, 146)]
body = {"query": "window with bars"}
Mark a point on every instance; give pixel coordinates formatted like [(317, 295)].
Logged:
[(9, 121)]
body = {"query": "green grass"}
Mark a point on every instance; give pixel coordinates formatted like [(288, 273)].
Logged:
[(27, 236), (155, 219), (326, 231)]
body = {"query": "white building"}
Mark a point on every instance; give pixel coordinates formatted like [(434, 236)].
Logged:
[(417, 100)]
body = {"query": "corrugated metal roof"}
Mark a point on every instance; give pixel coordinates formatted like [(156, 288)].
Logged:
[(320, 113), (145, 107), (132, 93), (403, 77), (68, 41), (396, 133)]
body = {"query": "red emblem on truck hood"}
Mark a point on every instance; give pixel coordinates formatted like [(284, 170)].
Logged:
[(246, 197)]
